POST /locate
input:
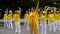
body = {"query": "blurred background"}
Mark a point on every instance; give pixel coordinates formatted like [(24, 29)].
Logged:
[(25, 5)]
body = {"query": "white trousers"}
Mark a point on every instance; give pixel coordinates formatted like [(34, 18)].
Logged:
[(56, 21), (52, 26), (58, 24), (44, 28), (10, 25), (27, 25), (25, 22), (5, 23), (48, 23), (17, 27), (37, 24)]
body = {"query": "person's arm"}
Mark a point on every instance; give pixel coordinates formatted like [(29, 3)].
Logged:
[(24, 16), (3, 17), (19, 10), (7, 10), (41, 20), (36, 10)]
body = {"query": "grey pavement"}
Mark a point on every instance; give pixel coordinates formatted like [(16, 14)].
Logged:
[(24, 31)]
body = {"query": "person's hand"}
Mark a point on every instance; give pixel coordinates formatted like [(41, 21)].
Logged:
[(19, 8), (38, 2), (7, 9)]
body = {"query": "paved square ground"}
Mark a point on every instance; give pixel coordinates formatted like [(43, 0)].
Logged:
[(24, 31)]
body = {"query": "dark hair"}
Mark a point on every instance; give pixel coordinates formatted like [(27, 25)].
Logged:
[(33, 8)]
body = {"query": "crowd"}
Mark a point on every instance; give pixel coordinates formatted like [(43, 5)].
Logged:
[(31, 18)]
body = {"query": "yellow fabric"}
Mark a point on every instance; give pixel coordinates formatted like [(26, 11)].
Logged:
[(25, 16), (5, 16), (36, 10), (32, 17), (41, 15), (32, 21), (51, 17), (59, 16), (33, 28), (16, 17), (45, 12), (43, 19), (6, 11), (9, 16), (36, 18), (56, 16), (19, 11)]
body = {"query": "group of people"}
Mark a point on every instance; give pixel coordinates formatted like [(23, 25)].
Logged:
[(50, 17), (9, 17), (31, 17)]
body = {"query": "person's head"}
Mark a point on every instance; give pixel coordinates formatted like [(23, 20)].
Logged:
[(52, 12), (6, 12), (10, 11), (19, 8), (49, 12), (57, 11), (17, 12), (14, 12), (43, 13), (29, 9), (28, 12), (32, 9)]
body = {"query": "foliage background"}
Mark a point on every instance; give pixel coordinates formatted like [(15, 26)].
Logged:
[(26, 4)]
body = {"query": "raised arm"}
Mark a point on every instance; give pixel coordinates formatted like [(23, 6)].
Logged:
[(19, 10), (36, 10)]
